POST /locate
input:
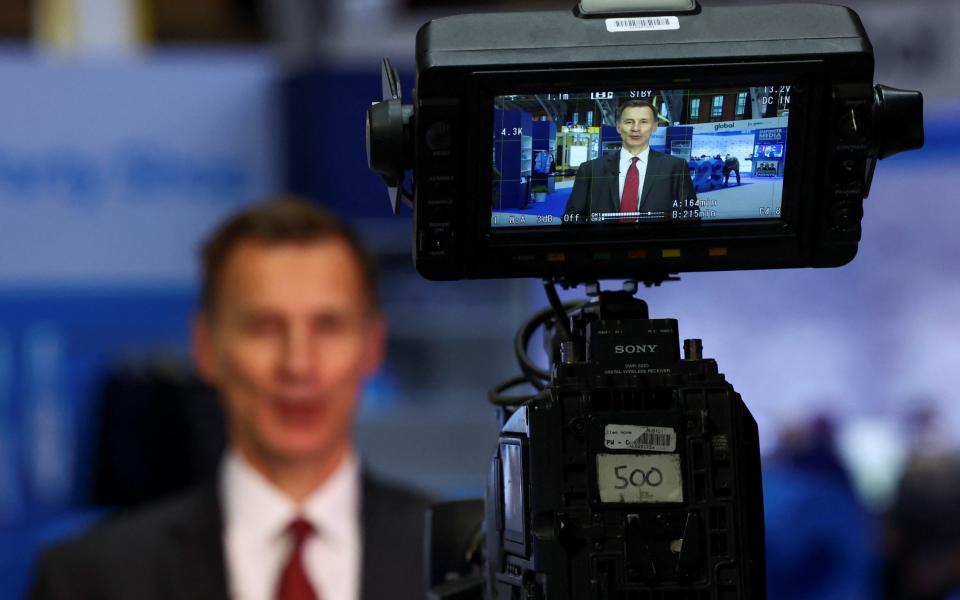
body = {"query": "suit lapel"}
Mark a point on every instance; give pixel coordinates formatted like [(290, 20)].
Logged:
[(653, 163), (197, 565), (375, 541), (611, 177), (393, 547)]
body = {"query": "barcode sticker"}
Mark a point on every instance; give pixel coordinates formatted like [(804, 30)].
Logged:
[(639, 437), (642, 24)]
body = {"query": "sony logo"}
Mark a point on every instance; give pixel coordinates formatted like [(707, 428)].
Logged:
[(634, 348)]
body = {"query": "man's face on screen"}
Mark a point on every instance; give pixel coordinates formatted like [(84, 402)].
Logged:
[(288, 343), (636, 125)]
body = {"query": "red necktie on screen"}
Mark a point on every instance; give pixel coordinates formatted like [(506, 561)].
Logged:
[(294, 584), (630, 199)]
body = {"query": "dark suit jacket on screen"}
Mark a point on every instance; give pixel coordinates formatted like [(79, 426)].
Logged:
[(596, 187), (174, 551)]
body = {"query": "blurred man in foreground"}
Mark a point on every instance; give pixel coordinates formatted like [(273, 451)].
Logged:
[(289, 327)]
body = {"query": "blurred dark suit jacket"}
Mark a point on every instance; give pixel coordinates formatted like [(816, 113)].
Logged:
[(596, 188), (174, 550)]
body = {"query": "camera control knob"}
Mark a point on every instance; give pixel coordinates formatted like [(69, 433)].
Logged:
[(846, 217), (439, 137), (693, 349), (849, 169), (569, 353)]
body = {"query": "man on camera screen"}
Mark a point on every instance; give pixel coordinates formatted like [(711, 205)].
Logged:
[(637, 183)]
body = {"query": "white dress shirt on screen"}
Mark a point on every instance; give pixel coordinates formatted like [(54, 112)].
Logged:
[(625, 157)]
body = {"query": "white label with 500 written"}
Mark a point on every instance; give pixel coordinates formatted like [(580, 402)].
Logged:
[(639, 478)]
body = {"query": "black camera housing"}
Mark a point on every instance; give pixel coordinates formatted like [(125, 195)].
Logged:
[(554, 530), (839, 125)]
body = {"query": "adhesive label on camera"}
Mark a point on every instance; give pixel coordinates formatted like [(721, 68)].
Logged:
[(639, 478), (640, 437), (642, 24)]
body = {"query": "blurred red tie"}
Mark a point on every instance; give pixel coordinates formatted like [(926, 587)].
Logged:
[(294, 584), (629, 200)]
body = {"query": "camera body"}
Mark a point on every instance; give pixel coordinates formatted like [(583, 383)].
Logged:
[(575, 147), (802, 80), (638, 473)]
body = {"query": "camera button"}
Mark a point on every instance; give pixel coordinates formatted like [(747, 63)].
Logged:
[(441, 192), (849, 169), (437, 241), (846, 217), (439, 137)]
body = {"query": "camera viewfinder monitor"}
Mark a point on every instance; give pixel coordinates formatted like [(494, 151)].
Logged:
[(561, 159)]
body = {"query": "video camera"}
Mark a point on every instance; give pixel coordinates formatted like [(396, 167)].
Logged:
[(791, 85), (633, 140)]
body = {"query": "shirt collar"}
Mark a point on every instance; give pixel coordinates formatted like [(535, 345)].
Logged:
[(334, 507), (625, 156), (256, 510)]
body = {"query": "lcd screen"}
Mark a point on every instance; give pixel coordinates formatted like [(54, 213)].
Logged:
[(631, 156)]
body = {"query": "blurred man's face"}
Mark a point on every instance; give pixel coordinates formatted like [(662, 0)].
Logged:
[(288, 343), (636, 125)]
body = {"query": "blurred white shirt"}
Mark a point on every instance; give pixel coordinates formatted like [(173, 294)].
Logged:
[(257, 546)]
